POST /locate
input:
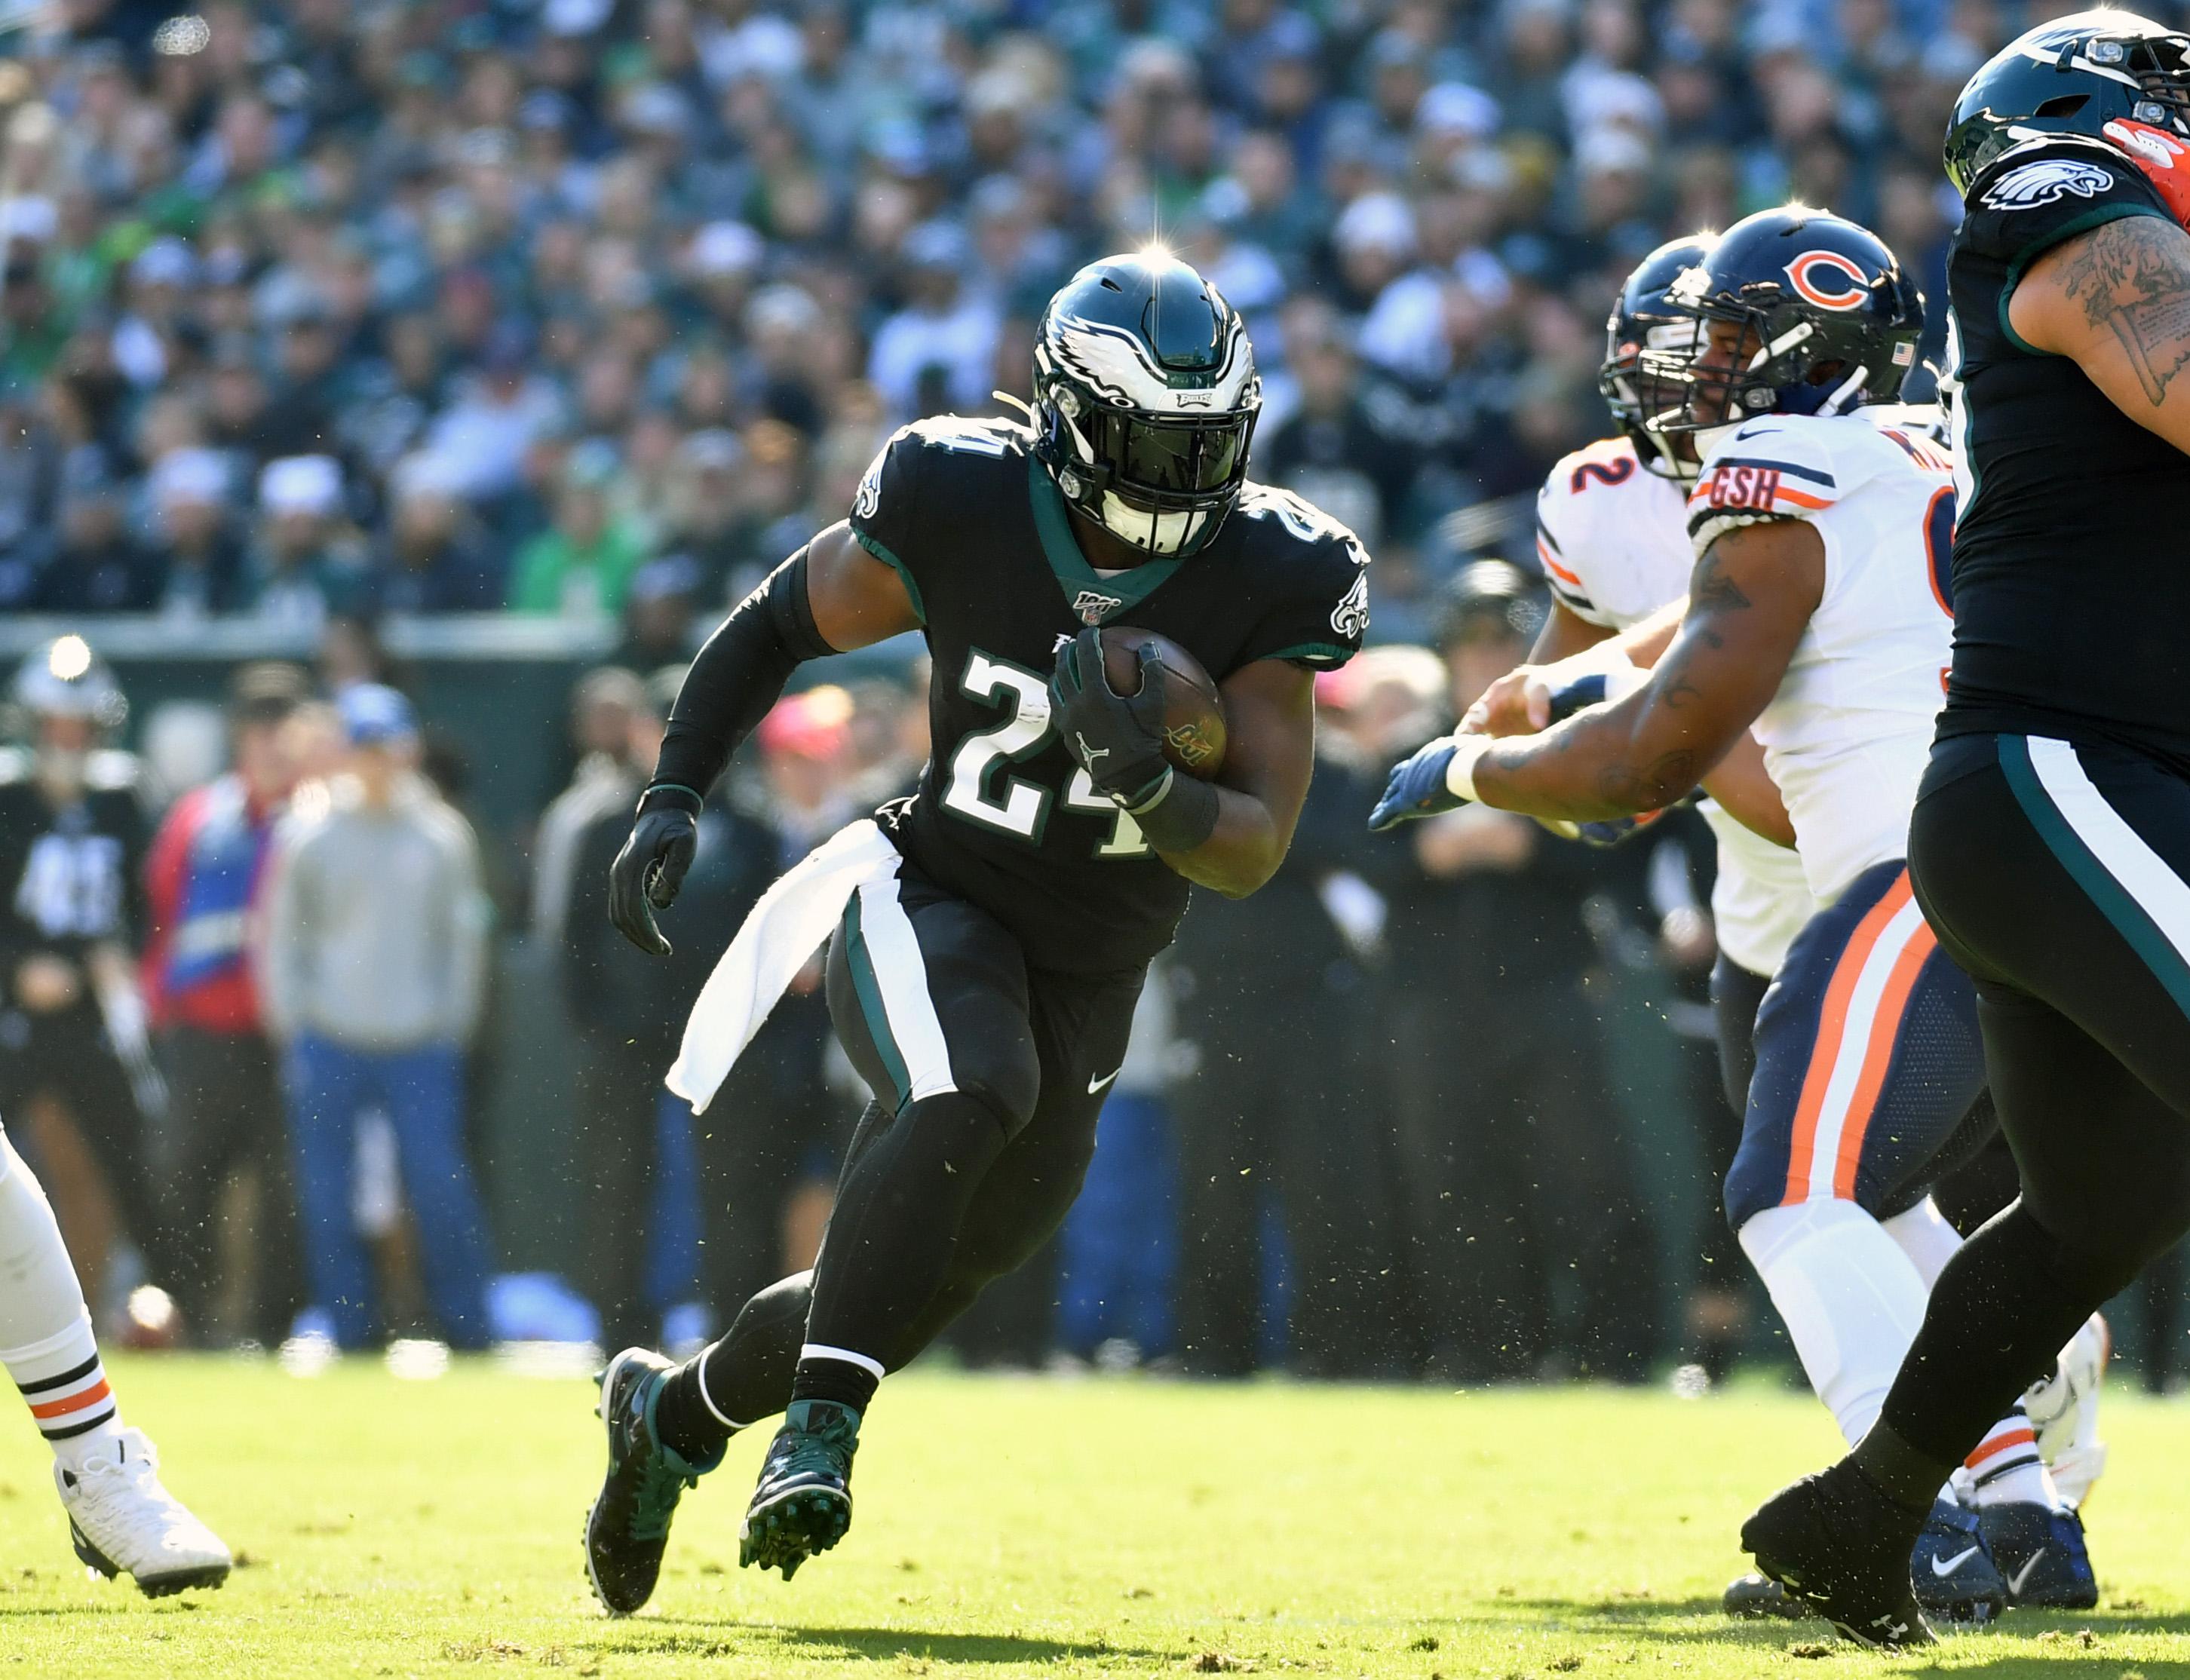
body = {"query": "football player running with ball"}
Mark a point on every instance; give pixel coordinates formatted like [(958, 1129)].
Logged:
[(991, 932), (2051, 845), (1817, 615)]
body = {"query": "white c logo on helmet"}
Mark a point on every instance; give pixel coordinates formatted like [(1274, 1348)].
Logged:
[(1830, 280)]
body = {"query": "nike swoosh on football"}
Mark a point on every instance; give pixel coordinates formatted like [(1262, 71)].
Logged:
[(1096, 1084), (2015, 1581), (1944, 1567)]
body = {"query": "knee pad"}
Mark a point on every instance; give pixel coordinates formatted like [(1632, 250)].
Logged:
[(1850, 1298)]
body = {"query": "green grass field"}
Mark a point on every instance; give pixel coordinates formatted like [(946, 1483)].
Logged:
[(1010, 1528)]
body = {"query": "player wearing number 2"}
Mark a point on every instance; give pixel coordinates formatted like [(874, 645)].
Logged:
[(992, 930), (1818, 618)]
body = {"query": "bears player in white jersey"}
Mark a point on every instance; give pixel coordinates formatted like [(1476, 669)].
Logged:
[(1611, 534), (1817, 619), (1613, 537)]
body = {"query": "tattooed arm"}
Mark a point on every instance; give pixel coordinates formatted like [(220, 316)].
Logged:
[(2116, 301), (1748, 602)]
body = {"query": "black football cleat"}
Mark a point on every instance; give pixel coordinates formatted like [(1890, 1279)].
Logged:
[(1755, 1598), (1841, 1547), (804, 1502), (627, 1529), (1952, 1569), (2041, 1555)]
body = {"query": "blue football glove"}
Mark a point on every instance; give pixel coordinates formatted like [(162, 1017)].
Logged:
[(1418, 786)]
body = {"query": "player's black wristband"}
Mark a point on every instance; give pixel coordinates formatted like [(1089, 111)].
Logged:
[(738, 676), (1177, 813), (671, 796)]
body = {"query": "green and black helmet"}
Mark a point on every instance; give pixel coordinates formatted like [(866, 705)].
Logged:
[(2115, 80), (1145, 395)]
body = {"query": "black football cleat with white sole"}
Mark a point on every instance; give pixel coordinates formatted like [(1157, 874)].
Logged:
[(627, 1529), (2041, 1555), (1838, 1544), (804, 1502)]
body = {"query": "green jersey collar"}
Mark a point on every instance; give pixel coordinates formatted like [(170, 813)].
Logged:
[(1092, 599)]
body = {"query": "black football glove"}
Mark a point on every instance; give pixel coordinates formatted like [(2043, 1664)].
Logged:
[(649, 870), (1117, 739)]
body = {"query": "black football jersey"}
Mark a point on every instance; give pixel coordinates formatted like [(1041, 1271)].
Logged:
[(73, 876), (2072, 557), (1003, 816)]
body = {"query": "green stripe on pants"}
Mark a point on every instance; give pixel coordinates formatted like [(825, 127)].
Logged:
[(870, 993), (2115, 902)]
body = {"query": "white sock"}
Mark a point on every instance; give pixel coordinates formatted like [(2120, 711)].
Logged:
[(1850, 1298), (2005, 1468), (1925, 1237), (46, 1342)]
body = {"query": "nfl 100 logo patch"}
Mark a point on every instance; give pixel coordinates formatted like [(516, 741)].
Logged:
[(1093, 606)]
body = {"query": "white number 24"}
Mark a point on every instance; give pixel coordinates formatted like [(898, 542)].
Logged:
[(1020, 807)]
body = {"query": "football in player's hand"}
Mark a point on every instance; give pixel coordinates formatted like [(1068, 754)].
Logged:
[(1194, 713)]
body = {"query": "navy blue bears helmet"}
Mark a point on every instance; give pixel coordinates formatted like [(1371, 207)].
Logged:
[(1644, 318), (1834, 319)]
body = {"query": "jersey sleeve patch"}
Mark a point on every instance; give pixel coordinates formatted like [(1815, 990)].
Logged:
[(2033, 186), (1761, 484), (1319, 620), (884, 518), (1780, 470), (2028, 204)]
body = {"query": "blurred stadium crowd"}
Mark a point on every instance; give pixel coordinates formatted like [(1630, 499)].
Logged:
[(320, 314), (578, 306)]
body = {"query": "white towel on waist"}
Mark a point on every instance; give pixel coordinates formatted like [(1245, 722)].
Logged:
[(792, 918)]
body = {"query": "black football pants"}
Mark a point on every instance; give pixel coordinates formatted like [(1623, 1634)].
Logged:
[(988, 1078), (2059, 877)]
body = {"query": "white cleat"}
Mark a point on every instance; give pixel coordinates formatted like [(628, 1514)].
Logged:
[(2064, 1412), (123, 1521)]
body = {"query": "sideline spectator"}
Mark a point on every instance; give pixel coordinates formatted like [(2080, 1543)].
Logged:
[(374, 966), (197, 562), (583, 564), (206, 882), (304, 562)]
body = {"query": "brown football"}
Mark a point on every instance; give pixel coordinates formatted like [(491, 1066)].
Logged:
[(1194, 712)]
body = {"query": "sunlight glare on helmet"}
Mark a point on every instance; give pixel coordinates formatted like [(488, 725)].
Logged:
[(1155, 251), (70, 659)]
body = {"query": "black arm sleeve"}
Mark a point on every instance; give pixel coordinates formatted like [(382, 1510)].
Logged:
[(738, 676)]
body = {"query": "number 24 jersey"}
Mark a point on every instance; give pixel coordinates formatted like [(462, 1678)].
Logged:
[(1003, 816)]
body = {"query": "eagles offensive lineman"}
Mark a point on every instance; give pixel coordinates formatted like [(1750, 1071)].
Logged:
[(2050, 843), (996, 925), (1816, 614)]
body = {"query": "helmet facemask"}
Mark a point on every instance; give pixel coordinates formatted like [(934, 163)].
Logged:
[(1162, 482), (1775, 370), (1145, 396), (1638, 396)]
